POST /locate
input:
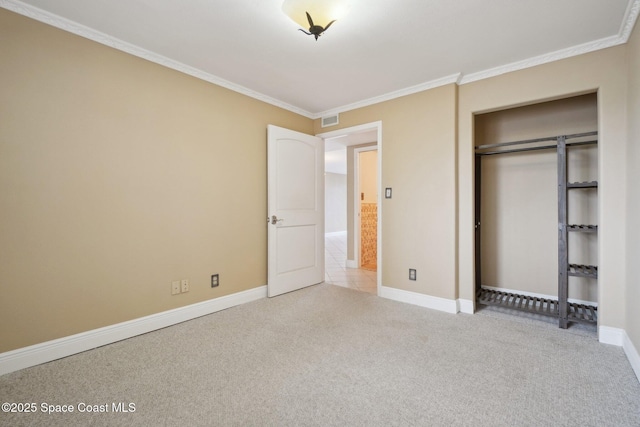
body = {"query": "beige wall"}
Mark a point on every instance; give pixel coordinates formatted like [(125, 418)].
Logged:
[(419, 163), (604, 71), (633, 200), (368, 179), (118, 176), (520, 195)]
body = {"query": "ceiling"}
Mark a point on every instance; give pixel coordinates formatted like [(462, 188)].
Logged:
[(382, 49), (335, 149)]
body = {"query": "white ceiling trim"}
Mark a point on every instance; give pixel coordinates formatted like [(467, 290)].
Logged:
[(631, 15), (454, 78), (628, 22), (97, 36), (542, 59)]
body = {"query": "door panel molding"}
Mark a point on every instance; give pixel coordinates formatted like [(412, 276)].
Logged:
[(295, 181)]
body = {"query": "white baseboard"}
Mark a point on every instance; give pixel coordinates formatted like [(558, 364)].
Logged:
[(51, 350), (609, 335), (632, 354), (465, 306), (619, 337), (422, 300), (351, 263)]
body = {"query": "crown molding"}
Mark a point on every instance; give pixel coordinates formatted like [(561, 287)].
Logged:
[(628, 22), (107, 40), (454, 78), (542, 59)]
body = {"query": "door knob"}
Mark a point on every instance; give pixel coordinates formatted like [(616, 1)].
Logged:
[(275, 220)]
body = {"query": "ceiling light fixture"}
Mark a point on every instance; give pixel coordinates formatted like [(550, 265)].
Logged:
[(316, 15)]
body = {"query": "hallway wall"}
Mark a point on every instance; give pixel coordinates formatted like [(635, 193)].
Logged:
[(335, 202)]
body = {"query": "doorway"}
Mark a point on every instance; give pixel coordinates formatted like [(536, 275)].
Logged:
[(343, 207)]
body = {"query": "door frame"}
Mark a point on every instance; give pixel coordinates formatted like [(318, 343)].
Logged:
[(357, 129)]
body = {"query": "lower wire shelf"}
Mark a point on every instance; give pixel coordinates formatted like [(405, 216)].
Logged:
[(544, 306)]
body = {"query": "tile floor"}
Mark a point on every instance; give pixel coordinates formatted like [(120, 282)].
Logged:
[(337, 274)]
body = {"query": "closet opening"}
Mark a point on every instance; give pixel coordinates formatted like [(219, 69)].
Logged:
[(536, 209)]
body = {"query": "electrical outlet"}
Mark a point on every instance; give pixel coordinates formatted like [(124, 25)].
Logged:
[(412, 274), (184, 285), (215, 280), (175, 287)]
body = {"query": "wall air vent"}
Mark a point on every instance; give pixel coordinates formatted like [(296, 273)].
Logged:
[(330, 121)]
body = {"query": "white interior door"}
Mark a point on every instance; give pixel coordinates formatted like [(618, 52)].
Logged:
[(295, 209)]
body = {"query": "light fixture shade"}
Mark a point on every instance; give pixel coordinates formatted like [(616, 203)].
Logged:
[(322, 11)]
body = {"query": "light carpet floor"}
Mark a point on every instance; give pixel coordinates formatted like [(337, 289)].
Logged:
[(330, 356)]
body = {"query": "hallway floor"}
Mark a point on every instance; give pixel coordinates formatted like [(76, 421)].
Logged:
[(337, 274)]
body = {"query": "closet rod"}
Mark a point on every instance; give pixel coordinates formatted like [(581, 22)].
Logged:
[(539, 147), (531, 141)]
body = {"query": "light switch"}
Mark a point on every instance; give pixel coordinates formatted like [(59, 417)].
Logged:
[(387, 193)]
